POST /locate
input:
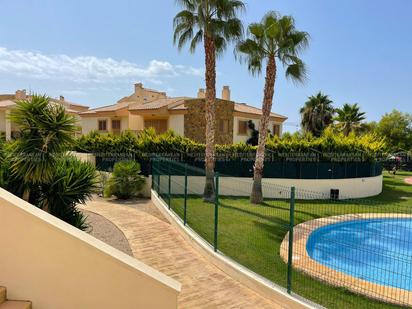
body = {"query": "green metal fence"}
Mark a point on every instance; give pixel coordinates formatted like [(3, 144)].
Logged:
[(274, 168), (337, 253)]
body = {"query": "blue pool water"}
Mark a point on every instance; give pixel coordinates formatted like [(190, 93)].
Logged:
[(375, 250)]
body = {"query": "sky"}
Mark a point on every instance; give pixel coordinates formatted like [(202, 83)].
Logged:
[(92, 52)]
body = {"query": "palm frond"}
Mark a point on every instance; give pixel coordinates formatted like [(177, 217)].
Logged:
[(218, 20), (197, 39), (297, 72), (190, 5)]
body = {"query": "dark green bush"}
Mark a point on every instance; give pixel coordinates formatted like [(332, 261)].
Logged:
[(72, 183), (147, 143), (126, 181)]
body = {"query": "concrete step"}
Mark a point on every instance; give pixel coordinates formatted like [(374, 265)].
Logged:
[(3, 294), (15, 304)]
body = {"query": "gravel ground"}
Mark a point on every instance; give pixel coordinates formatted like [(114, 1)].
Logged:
[(106, 231)]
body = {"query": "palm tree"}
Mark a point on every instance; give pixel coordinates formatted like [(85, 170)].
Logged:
[(46, 132), (73, 183), (317, 114), (274, 38), (215, 23), (349, 118)]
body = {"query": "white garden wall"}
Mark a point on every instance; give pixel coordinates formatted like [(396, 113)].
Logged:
[(280, 188)]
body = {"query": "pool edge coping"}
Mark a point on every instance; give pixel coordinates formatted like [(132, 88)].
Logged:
[(304, 263)]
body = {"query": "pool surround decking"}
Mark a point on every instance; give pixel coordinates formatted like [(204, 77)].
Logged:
[(303, 262)]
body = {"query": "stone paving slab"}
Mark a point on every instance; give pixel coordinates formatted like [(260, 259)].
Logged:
[(157, 244)]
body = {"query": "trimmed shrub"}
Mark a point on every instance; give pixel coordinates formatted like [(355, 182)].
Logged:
[(148, 143), (125, 181)]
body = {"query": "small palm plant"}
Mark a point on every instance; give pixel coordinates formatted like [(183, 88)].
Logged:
[(215, 23), (72, 183), (47, 131), (274, 39), (349, 118), (36, 165), (126, 180), (317, 114)]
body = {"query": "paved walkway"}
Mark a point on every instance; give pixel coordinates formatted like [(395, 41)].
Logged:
[(157, 244)]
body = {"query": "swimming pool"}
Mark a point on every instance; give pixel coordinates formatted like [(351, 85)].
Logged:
[(376, 250)]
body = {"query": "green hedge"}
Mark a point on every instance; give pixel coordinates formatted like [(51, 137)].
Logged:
[(290, 147)]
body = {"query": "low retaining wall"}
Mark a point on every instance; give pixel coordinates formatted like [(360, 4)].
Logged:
[(55, 265), (272, 187), (85, 157), (279, 188)]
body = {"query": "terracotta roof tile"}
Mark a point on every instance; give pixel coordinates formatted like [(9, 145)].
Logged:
[(244, 108), (170, 102), (107, 108), (68, 102)]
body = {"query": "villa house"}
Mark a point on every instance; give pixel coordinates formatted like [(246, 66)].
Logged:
[(147, 108), (8, 102)]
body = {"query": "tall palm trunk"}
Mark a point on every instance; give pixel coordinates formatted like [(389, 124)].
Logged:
[(256, 196), (210, 77)]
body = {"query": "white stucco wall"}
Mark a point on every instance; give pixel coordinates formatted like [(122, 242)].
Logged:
[(177, 124), (88, 125), (56, 265), (243, 138), (280, 188), (136, 122), (124, 123)]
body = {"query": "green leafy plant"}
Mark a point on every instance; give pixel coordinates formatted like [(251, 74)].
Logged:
[(215, 23), (273, 41), (72, 183), (396, 127), (125, 181), (317, 114), (36, 166), (167, 144), (349, 118)]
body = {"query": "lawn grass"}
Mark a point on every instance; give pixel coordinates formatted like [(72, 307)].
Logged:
[(252, 234)]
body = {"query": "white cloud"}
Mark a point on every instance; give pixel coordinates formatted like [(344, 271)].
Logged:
[(87, 69), (75, 92)]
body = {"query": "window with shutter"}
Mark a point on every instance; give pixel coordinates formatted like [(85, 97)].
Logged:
[(242, 127), (276, 130), (160, 125), (102, 125), (223, 126), (116, 125)]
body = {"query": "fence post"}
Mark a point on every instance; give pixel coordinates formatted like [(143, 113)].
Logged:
[(185, 202), (170, 185), (290, 249), (153, 175), (159, 168), (216, 210)]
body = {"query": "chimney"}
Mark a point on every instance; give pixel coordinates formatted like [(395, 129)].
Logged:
[(201, 93), (226, 93), (61, 98), (138, 88), (21, 94)]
